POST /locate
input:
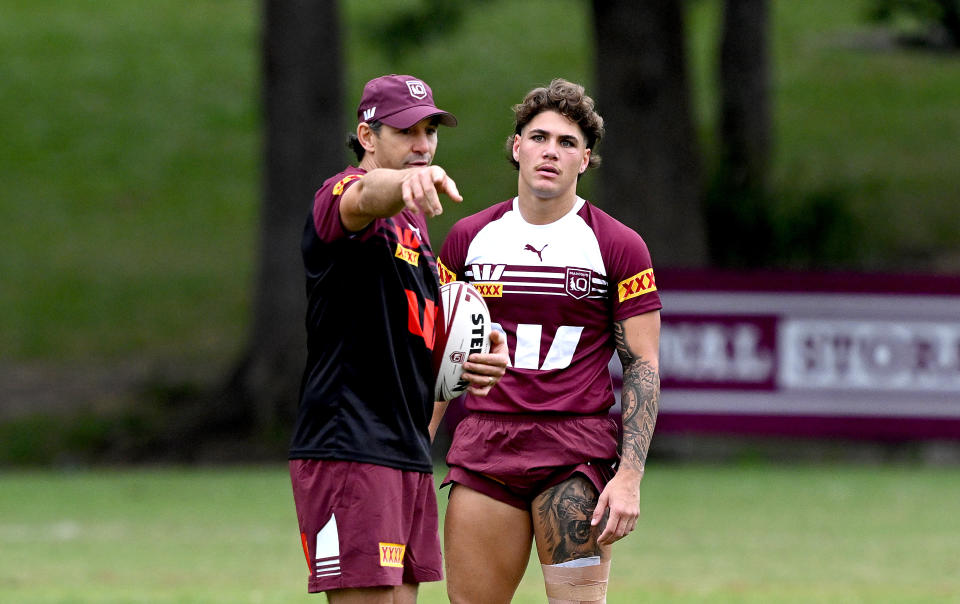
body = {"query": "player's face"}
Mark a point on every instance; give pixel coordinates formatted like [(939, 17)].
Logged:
[(552, 153), (408, 148)]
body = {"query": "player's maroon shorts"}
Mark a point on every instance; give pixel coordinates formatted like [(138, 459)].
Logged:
[(514, 458), (364, 525)]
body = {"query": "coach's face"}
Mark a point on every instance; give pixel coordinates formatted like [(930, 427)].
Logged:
[(398, 149), (552, 153)]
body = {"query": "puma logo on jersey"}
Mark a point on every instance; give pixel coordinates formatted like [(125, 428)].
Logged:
[(539, 253)]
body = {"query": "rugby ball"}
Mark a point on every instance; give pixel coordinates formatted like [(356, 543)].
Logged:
[(464, 328)]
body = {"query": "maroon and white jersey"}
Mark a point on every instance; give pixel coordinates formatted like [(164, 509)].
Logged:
[(555, 290)]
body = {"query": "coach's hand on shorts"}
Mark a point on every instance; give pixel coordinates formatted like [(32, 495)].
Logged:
[(483, 371), (621, 497)]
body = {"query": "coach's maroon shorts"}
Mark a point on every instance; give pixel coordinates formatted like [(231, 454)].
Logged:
[(514, 458), (364, 525)]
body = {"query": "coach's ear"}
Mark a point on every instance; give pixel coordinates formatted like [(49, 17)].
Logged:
[(365, 136)]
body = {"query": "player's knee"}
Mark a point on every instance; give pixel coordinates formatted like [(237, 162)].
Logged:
[(578, 581)]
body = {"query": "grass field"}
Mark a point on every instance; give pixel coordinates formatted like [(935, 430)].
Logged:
[(750, 533), (131, 138)]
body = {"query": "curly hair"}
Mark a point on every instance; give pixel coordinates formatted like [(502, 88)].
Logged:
[(570, 101)]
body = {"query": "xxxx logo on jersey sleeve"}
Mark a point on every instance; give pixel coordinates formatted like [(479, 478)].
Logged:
[(445, 274), (338, 188), (637, 285)]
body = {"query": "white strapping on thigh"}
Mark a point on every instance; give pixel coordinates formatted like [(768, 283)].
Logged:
[(580, 580)]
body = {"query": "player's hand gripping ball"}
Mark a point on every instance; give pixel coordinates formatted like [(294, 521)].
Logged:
[(464, 328)]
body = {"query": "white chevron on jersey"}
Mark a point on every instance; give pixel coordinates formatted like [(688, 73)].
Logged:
[(562, 348), (487, 272), (564, 345)]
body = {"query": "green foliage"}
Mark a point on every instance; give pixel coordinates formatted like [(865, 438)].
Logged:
[(403, 32), (887, 10), (129, 170), (43, 439), (920, 22), (753, 229)]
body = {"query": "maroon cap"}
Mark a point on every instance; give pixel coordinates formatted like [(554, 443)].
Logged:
[(399, 101)]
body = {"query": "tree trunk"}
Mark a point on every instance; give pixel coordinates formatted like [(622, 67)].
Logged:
[(304, 133), (651, 177), (951, 21), (742, 229), (745, 95)]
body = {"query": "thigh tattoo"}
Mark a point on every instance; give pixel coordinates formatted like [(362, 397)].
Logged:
[(564, 512)]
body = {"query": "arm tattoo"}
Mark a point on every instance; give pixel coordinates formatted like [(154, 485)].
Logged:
[(639, 403), (564, 513)]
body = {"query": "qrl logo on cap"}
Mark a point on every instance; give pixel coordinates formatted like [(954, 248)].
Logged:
[(417, 89)]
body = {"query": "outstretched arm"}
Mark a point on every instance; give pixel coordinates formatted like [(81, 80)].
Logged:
[(383, 192), (638, 343)]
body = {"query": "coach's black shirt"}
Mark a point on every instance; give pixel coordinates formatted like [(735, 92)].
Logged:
[(367, 390)]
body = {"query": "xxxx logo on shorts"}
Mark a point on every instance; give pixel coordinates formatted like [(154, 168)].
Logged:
[(637, 285), (391, 554), (338, 188)]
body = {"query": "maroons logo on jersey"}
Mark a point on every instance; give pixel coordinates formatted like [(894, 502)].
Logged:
[(637, 285), (338, 188), (577, 282)]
